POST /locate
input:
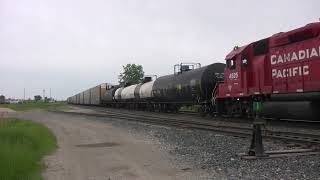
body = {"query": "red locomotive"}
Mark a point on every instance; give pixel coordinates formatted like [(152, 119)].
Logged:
[(282, 72)]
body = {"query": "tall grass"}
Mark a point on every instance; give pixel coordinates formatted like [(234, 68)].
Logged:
[(22, 145), (35, 105)]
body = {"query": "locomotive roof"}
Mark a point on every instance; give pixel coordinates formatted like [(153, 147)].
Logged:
[(278, 39), (307, 31), (235, 51)]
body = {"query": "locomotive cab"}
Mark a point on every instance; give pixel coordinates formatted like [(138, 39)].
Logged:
[(237, 74), (230, 96)]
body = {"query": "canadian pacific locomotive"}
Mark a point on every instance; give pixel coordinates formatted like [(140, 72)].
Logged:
[(282, 72)]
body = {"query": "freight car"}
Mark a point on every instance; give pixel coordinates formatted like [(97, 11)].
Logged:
[(188, 86), (91, 96), (281, 72)]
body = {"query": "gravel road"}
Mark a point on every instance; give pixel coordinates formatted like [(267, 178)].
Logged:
[(94, 150), (217, 154)]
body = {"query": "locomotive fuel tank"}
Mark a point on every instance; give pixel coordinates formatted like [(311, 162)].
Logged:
[(297, 110), (188, 86)]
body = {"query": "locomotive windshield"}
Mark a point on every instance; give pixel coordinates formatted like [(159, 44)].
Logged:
[(231, 63)]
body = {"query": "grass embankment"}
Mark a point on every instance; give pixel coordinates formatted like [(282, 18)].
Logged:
[(22, 145), (39, 105)]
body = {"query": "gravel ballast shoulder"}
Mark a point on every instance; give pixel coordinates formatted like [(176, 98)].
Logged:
[(217, 153)]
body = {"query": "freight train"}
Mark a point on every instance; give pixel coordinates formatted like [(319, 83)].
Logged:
[(281, 72)]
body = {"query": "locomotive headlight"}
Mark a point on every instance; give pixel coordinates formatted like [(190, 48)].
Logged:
[(238, 99)]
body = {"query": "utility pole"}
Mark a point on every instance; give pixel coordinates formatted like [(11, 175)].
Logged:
[(50, 93), (24, 94)]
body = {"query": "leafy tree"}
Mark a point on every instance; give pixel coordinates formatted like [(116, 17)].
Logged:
[(37, 98), (132, 74)]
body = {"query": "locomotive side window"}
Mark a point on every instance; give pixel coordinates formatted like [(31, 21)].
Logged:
[(231, 63), (244, 60)]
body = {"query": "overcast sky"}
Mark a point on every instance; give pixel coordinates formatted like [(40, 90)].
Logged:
[(71, 45)]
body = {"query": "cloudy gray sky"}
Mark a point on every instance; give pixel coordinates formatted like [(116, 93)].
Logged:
[(71, 45)]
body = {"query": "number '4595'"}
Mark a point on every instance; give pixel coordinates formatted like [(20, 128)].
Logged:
[(233, 75)]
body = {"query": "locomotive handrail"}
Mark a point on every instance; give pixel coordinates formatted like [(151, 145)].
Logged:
[(214, 93)]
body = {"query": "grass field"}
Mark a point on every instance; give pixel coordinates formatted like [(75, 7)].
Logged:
[(22, 145), (38, 105)]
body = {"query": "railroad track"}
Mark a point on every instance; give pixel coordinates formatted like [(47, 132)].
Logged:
[(240, 130), (244, 130)]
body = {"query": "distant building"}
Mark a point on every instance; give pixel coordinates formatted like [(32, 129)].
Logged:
[(2, 99), (14, 101)]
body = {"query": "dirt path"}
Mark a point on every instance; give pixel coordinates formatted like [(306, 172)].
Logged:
[(6, 110), (90, 149)]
